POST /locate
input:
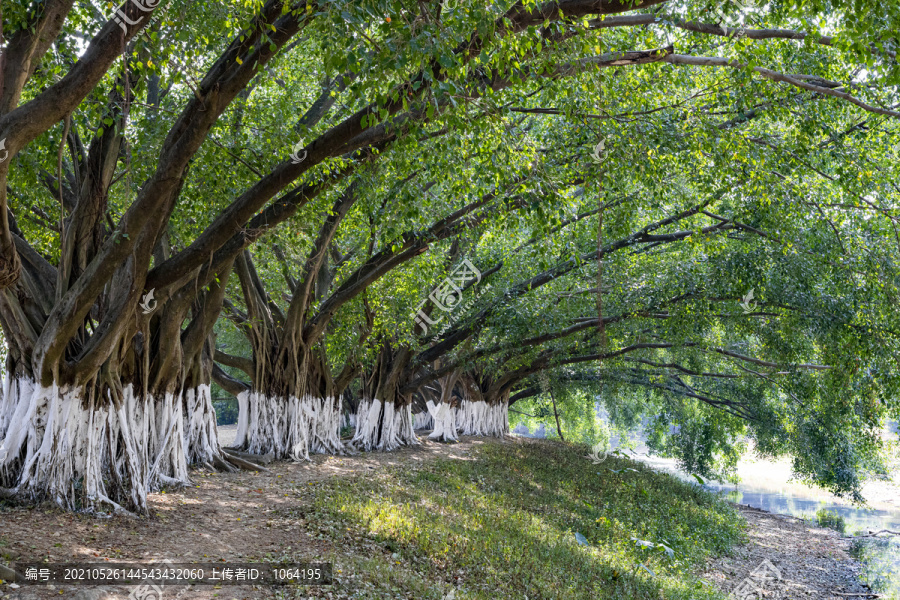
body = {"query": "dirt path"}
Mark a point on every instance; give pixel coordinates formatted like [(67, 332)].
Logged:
[(230, 517), (254, 517)]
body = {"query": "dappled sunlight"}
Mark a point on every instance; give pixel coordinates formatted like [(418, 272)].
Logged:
[(481, 517)]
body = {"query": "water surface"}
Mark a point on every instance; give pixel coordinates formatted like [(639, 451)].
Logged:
[(766, 485)]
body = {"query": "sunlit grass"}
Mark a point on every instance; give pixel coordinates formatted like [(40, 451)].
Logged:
[(503, 526)]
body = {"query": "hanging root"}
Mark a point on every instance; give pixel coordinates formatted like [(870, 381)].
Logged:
[(243, 423), (325, 425), (422, 420), (201, 437), (163, 436), (348, 419), (367, 420)]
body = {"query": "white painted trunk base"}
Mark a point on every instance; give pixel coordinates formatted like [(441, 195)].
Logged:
[(422, 420), (165, 434), (481, 418), (348, 420), (7, 406), (52, 448), (444, 422), (243, 422), (380, 427), (201, 437), (288, 427)]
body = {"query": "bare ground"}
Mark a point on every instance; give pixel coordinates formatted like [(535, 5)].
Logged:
[(226, 517), (255, 517), (811, 562)]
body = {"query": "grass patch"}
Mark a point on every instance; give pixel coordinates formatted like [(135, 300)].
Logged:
[(503, 526), (831, 520)]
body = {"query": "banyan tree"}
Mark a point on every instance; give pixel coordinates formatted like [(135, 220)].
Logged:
[(146, 149)]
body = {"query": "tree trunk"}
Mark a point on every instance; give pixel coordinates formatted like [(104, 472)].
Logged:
[(441, 409), (482, 412), (384, 418), (201, 434), (90, 447)]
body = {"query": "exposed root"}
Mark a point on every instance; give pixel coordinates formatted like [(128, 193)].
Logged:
[(201, 437), (254, 458), (245, 464), (82, 451)]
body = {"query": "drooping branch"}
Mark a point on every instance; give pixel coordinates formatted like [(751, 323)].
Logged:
[(764, 363), (800, 81), (718, 30), (643, 236), (389, 258), (352, 134), (306, 286)]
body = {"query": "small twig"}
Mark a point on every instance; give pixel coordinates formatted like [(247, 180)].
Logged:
[(233, 155)]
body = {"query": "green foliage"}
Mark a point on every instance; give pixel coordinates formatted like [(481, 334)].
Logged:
[(226, 410), (578, 418), (714, 181), (470, 520), (830, 519)]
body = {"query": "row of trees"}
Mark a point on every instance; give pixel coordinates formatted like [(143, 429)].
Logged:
[(387, 208)]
